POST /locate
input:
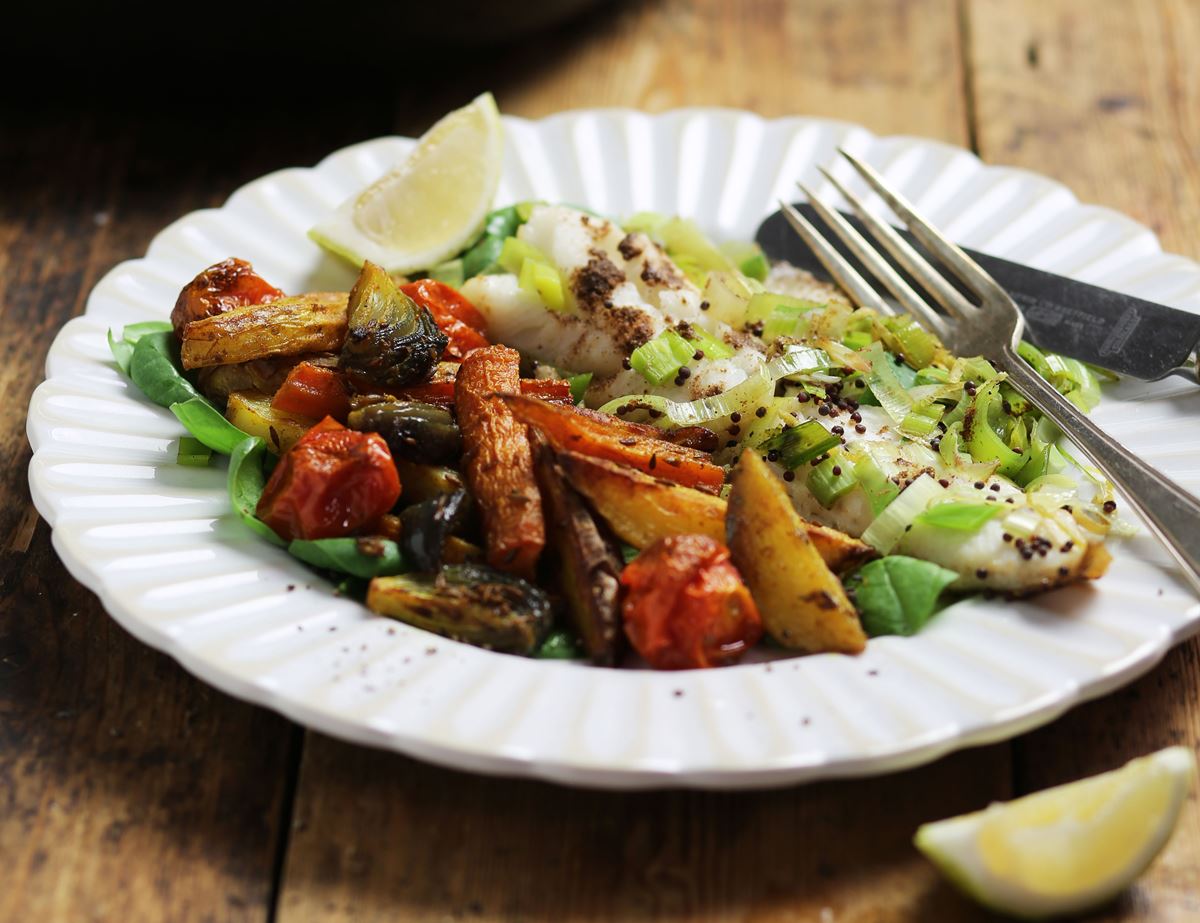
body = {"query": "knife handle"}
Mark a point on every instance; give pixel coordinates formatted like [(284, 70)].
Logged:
[(1172, 513)]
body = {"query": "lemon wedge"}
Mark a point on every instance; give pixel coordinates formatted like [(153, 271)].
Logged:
[(430, 206), (1067, 848)]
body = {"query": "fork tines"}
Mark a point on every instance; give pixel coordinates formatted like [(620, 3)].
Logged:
[(888, 240)]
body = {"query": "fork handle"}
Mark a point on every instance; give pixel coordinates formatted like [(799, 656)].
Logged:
[(1172, 513)]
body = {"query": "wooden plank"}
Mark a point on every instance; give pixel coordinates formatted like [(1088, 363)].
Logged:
[(128, 789), (1104, 96), (1101, 94), (380, 837), (377, 837), (893, 67)]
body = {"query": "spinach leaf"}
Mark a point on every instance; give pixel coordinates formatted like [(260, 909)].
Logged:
[(206, 423), (962, 517), (560, 644), (897, 595), (122, 349), (482, 256), (246, 482), (134, 332), (579, 385), (154, 367), (358, 557)]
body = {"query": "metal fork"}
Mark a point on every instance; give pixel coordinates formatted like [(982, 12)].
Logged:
[(991, 329)]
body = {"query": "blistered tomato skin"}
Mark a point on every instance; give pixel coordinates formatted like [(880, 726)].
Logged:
[(333, 482), (458, 319), (230, 284), (686, 606)]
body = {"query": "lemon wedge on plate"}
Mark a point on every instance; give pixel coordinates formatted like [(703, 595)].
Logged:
[(430, 206), (1067, 848)]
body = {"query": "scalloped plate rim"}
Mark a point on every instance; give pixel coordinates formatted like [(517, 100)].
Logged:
[(1032, 714)]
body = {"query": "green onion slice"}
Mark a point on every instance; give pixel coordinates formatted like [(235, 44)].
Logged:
[(798, 445)]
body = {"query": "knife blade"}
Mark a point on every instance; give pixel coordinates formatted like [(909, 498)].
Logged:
[(1128, 335)]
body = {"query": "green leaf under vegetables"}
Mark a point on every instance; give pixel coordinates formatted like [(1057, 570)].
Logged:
[(154, 368), (246, 483), (208, 425), (560, 644), (358, 557), (962, 517), (897, 595), (579, 385), (122, 351)]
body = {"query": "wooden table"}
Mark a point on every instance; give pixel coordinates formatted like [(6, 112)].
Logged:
[(131, 791)]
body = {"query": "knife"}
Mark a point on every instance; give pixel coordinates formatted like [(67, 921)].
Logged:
[(1127, 335)]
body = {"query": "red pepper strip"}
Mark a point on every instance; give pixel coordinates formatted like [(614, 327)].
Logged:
[(315, 391), (457, 317)]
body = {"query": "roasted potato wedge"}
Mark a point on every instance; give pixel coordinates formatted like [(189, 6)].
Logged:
[(251, 412), (641, 509), (288, 327), (802, 603), (839, 551), (587, 563)]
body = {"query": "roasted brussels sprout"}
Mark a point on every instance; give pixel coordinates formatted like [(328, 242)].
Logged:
[(425, 527), (391, 340), (587, 563), (468, 602), (413, 430)]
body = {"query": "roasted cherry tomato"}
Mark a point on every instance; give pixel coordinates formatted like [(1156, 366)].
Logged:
[(230, 284), (312, 390), (686, 606), (457, 317), (333, 482)]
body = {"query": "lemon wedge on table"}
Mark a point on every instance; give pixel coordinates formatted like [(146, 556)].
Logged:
[(1067, 848), (430, 206)]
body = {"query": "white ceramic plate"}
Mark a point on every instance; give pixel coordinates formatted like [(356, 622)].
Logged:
[(160, 546)]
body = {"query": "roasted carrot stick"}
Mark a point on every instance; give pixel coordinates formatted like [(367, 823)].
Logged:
[(569, 429), (497, 460), (442, 392)]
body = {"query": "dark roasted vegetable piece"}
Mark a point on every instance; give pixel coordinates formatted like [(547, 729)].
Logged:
[(413, 430), (426, 527), (424, 482), (468, 602), (217, 382), (390, 338), (587, 563)]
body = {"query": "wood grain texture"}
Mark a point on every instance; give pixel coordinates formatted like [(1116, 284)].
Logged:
[(891, 66), (1104, 95), (128, 789), (380, 837)]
